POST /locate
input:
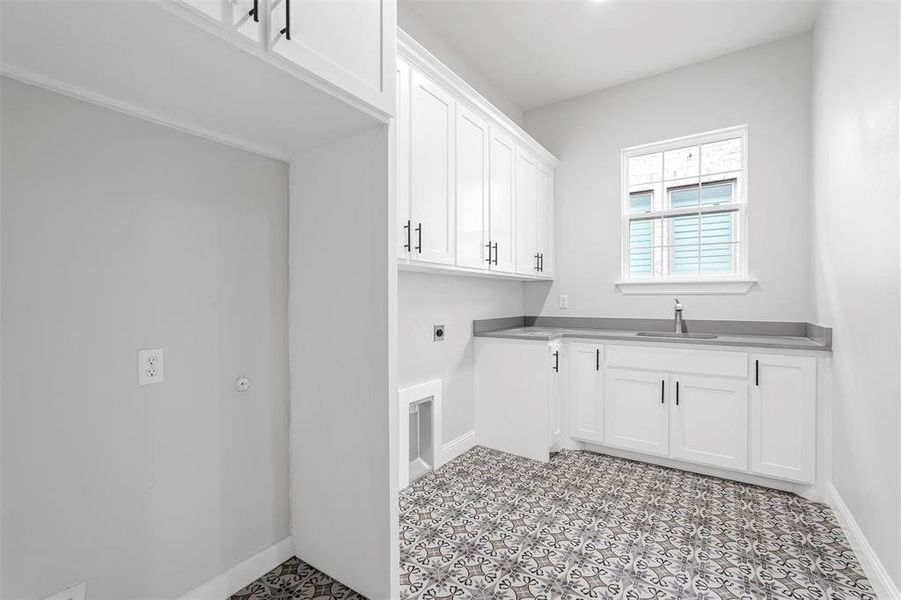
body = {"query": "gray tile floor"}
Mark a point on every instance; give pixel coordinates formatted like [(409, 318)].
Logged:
[(584, 525)]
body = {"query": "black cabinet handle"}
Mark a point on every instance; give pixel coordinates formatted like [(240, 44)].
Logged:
[(287, 30), (488, 245), (677, 393), (541, 262), (419, 238), (495, 253), (557, 361), (537, 262), (255, 11), (757, 372), (409, 235), (662, 388), (597, 360)]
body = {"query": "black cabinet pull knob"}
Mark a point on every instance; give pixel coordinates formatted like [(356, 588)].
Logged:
[(488, 245), (255, 11), (597, 360), (537, 262), (757, 372), (541, 262), (408, 234), (662, 388), (286, 31), (419, 238), (677, 393), (557, 361)]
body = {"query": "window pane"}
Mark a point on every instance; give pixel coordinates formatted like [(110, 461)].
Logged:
[(718, 157), (640, 202), (679, 163), (718, 258), (684, 233), (641, 242), (645, 169), (683, 197), (717, 193), (716, 228)]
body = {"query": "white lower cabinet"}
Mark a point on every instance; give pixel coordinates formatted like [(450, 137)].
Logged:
[(709, 421), (584, 392), (518, 396), (635, 410), (749, 413), (783, 417)]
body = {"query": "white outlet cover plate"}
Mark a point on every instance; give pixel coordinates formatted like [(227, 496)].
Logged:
[(564, 301), (73, 592), (151, 366)]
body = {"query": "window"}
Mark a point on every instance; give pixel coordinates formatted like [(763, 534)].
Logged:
[(685, 212)]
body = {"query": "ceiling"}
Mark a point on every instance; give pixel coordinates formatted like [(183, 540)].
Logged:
[(538, 52)]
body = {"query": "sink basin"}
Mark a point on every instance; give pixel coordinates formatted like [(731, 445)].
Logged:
[(664, 334)]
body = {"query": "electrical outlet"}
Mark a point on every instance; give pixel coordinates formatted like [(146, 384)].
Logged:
[(564, 301), (73, 592), (151, 368)]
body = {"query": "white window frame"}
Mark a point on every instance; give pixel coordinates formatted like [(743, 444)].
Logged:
[(738, 283)]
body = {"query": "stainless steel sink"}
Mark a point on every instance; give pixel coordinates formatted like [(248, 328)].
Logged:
[(664, 334)]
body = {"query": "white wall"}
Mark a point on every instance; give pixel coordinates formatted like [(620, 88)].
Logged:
[(767, 87), (343, 408), (425, 300), (856, 257), (426, 35), (117, 235)]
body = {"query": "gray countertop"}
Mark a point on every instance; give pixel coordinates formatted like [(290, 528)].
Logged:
[(783, 342)]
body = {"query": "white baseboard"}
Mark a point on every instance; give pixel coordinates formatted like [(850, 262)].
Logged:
[(225, 584), (873, 568), (458, 446)]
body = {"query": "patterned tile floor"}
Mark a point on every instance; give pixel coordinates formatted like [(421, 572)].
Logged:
[(584, 525)]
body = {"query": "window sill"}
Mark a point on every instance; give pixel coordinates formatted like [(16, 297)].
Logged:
[(733, 286)]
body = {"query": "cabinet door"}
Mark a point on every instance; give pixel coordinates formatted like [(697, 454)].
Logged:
[(545, 224), (472, 189), (348, 44), (402, 133), (526, 215), (234, 15), (709, 421), (635, 410), (555, 396), (584, 392), (783, 416), (431, 171), (502, 218)]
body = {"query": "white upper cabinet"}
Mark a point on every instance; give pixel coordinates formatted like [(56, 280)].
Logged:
[(783, 417), (502, 218), (527, 257), (473, 249), (545, 222), (243, 16), (466, 178), (635, 416), (347, 47), (584, 392), (348, 44), (402, 141), (709, 421), (432, 195)]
